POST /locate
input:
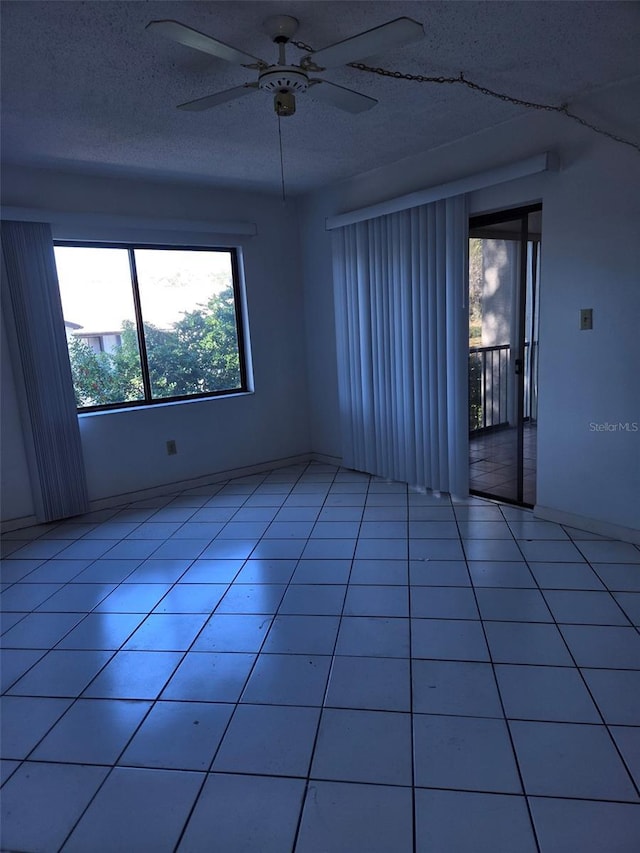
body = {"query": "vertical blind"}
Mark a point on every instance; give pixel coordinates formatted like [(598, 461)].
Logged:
[(402, 335), (36, 338)]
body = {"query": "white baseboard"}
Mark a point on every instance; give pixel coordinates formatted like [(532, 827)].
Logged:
[(326, 459), (172, 488), (18, 523), (194, 483), (591, 525)]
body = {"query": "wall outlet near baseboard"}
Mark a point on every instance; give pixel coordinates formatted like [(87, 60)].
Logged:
[(171, 447)]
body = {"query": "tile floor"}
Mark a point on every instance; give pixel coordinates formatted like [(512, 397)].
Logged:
[(314, 660), (492, 463)]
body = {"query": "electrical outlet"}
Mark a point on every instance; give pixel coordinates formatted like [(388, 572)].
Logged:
[(586, 319), (171, 448)]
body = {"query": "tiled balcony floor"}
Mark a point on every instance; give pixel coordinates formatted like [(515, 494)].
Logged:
[(314, 660), (492, 463)]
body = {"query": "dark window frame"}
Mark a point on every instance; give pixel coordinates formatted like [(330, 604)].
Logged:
[(239, 310)]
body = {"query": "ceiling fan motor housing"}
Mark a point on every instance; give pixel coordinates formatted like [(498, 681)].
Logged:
[(284, 79)]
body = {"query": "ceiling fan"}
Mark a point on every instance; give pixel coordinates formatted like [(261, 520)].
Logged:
[(285, 81)]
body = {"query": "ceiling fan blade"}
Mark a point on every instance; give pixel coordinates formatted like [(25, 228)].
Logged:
[(338, 96), (395, 33), (192, 38), (219, 98)]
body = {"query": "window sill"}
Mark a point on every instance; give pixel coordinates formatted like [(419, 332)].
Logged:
[(150, 407)]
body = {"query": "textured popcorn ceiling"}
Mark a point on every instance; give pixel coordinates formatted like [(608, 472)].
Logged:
[(84, 86)]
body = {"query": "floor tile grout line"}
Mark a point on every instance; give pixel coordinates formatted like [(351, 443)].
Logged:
[(432, 618), (186, 583), (383, 657), (476, 539), (477, 584), (414, 817), (369, 784), (356, 708), (504, 716), (307, 785), (611, 593)]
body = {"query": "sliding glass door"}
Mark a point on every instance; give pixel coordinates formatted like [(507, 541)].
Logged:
[(504, 272)]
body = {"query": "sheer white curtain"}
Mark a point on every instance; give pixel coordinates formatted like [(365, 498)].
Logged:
[(35, 335), (402, 335)]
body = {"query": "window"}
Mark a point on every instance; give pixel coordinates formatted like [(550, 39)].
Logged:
[(147, 325), (94, 342)]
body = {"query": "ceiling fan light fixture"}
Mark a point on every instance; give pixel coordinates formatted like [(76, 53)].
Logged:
[(284, 104)]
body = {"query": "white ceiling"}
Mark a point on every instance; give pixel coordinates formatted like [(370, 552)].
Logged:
[(85, 87)]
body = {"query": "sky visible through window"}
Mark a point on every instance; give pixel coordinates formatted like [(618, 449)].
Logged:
[(95, 285)]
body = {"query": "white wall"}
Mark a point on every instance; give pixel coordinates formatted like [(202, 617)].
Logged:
[(125, 451), (590, 259)]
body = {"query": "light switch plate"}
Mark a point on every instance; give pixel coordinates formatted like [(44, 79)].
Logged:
[(586, 318)]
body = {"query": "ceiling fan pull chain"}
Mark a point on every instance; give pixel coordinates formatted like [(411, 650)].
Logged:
[(302, 46), (284, 198), (501, 96)]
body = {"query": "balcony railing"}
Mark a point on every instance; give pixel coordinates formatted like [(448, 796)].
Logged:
[(492, 386)]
